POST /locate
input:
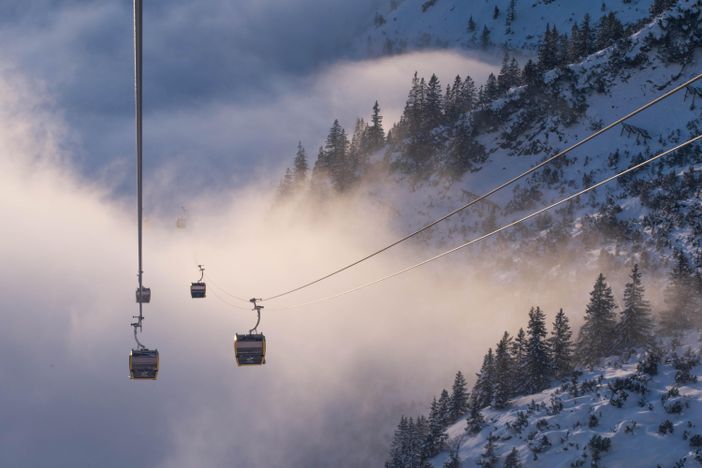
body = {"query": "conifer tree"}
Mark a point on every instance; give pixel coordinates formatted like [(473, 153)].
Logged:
[(376, 134), (466, 152), (679, 296), (408, 446), (584, 43), (504, 372), (466, 97), (538, 360), (471, 24), (503, 82), (610, 29), (300, 166), (509, 75), (414, 107), (321, 165), (436, 434), (561, 346), (512, 460), (492, 90), (286, 186), (548, 48), (475, 420), (488, 459), (398, 445), (532, 75), (444, 407), (563, 53), (635, 327), (514, 73), (519, 354), (336, 152), (485, 38), (452, 100), (433, 112), (597, 333), (459, 397), (418, 444), (358, 149), (511, 14), (484, 388), (573, 52)]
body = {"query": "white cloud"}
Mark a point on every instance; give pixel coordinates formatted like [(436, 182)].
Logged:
[(339, 373)]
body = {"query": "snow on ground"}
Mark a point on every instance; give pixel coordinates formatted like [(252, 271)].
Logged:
[(634, 429), (417, 24), (630, 87)]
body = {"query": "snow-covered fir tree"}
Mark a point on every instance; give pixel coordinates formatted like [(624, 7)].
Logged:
[(561, 344), (504, 372), (635, 327), (459, 397), (286, 186), (488, 459), (445, 407), (436, 431), (596, 338), (376, 133), (408, 445), (679, 312), (538, 359), (518, 352), (300, 166), (475, 420), (512, 460), (484, 388)]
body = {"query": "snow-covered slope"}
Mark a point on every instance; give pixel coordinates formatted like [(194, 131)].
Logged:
[(414, 24), (649, 420), (653, 211)]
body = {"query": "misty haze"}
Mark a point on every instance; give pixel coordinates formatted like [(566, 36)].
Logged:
[(475, 231)]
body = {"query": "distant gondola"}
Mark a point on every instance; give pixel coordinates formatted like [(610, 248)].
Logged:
[(198, 289), (143, 295), (143, 364), (250, 349)]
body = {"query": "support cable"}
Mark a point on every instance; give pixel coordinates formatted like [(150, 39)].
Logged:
[(493, 190), (139, 162), (502, 228)]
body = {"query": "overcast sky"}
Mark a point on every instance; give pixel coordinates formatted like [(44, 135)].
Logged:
[(229, 86)]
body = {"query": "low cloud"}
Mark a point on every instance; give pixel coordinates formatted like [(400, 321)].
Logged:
[(339, 373), (229, 88)]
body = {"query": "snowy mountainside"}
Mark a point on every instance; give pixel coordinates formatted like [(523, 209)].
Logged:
[(655, 210), (620, 414), (419, 24)]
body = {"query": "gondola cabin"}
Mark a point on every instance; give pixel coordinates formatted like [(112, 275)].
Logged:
[(143, 295), (250, 349), (197, 290), (143, 364)]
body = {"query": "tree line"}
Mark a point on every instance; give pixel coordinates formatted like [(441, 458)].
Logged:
[(533, 359), (439, 125)]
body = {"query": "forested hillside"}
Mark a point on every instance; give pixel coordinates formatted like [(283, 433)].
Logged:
[(456, 141), (544, 395)]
